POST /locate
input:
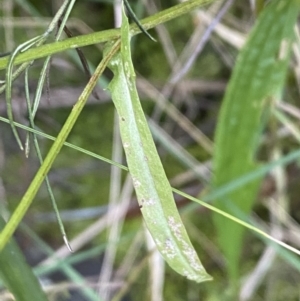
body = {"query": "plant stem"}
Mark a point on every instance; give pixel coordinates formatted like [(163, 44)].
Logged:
[(35, 184), (106, 35)]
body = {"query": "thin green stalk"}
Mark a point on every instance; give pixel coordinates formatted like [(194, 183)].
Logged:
[(9, 70), (53, 152), (107, 35), (32, 109), (77, 148), (225, 189), (38, 151), (238, 221), (47, 61), (8, 80)]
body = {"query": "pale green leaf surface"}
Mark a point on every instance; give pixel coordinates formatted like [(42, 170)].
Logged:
[(151, 184), (258, 75)]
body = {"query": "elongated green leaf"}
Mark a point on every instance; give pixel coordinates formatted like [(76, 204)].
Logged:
[(258, 75), (151, 184), (17, 275)]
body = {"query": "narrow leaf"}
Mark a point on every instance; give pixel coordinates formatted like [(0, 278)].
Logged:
[(151, 184), (258, 75)]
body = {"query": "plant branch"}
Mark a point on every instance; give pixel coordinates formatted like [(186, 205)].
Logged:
[(106, 35)]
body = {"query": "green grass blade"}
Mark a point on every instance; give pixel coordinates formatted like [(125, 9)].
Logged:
[(258, 75), (151, 184), (17, 275)]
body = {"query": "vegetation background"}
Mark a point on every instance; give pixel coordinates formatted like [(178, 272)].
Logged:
[(181, 81)]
